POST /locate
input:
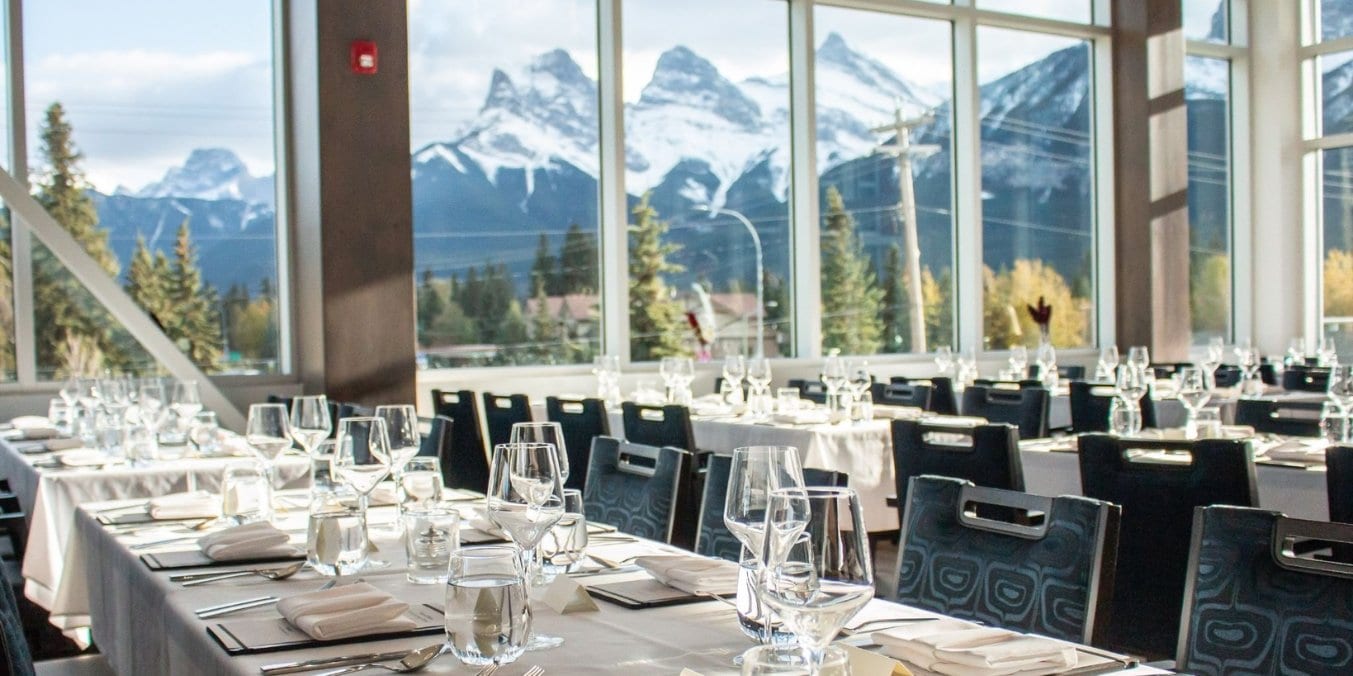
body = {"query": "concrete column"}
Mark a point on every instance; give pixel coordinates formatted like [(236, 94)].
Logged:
[(1151, 216), (352, 214)]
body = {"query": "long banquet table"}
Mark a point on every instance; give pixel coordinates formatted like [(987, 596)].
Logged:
[(145, 624), (51, 496)]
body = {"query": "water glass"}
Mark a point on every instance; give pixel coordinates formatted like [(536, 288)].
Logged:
[(420, 485), (1125, 417), (488, 618), (335, 537), (430, 535), (1334, 423), (108, 433), (787, 400), (752, 613), (791, 660), (246, 494), (58, 413), (1208, 423), (205, 433), (565, 546)]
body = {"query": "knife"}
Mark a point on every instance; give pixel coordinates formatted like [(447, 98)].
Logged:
[(227, 608), (323, 662)]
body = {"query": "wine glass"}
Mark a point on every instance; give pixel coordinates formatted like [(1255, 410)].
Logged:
[(683, 373), (755, 472), (834, 373), (818, 573), (70, 390), (267, 432), (1216, 351), (1328, 353), (860, 383), (1046, 358), (944, 359), (758, 380), (1194, 392), (526, 499), (1341, 388), (734, 370), (1139, 356), (361, 455), (1108, 362), (401, 424), (184, 400), (1019, 361), (1296, 351), (667, 368), (543, 433), (310, 421), (150, 401)]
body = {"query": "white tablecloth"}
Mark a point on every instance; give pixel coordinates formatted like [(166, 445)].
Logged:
[(145, 625), (50, 498)]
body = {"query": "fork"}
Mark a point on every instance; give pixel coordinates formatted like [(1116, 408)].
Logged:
[(535, 671), (488, 670)]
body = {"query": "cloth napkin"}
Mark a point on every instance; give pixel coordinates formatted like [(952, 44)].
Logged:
[(897, 412), (809, 417), (346, 611), (24, 422), (62, 444), (478, 519), (84, 457), (192, 505), (960, 648), (36, 433), (692, 574), (256, 540), (1300, 450), (385, 493)]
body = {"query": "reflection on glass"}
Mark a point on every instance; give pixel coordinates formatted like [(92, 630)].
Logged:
[(1336, 19), (1037, 186), (1207, 86), (1337, 203), (707, 164), (1206, 20), (503, 112), (156, 150), (1336, 92), (886, 192), (1062, 10)]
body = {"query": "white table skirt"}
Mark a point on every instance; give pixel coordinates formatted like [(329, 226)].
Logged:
[(145, 625), (52, 572)]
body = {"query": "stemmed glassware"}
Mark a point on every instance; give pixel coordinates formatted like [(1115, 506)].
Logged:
[(1046, 358), (1248, 358), (1216, 352), (310, 421), (1328, 353), (734, 370), (543, 433), (677, 374), (185, 401), (756, 471), (1019, 361), (818, 573), (362, 460), (267, 432), (1108, 363), (860, 383), (835, 376), (526, 499), (607, 370), (758, 380), (150, 403), (1131, 385), (401, 424), (1296, 352), (1341, 393), (1140, 357), (1194, 392), (944, 359)]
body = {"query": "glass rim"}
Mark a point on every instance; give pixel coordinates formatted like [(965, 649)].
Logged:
[(358, 419), (259, 407), (486, 552), (766, 449), (815, 492), (442, 508)]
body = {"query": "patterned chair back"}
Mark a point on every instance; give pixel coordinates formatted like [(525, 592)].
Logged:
[(17, 660), (1090, 404), (465, 463), (1252, 607), (1158, 483), (1295, 418), (582, 420), (501, 412), (635, 487), (987, 455), (1041, 573), (1025, 408), (714, 538)]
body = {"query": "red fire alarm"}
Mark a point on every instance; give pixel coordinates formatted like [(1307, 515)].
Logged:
[(363, 57)]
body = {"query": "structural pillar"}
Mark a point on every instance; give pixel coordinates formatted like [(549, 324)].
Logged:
[(1151, 216), (351, 212)]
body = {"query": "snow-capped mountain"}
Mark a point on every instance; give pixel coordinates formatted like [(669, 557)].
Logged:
[(212, 174)]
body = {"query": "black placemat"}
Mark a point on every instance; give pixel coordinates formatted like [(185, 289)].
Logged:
[(645, 593), (231, 635), (192, 558)]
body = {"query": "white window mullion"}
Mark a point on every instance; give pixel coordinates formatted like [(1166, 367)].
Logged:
[(807, 245), (967, 184), (1101, 138), (21, 241), (613, 209)]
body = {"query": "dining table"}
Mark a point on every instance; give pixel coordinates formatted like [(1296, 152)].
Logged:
[(50, 493), (145, 623)]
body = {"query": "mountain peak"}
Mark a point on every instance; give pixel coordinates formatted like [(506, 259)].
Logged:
[(834, 48), (211, 173), (685, 78), (502, 93)]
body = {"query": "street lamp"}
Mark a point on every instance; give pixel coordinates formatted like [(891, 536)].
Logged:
[(760, 273)]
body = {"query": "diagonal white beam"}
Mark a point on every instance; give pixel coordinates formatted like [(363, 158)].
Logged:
[(29, 214)]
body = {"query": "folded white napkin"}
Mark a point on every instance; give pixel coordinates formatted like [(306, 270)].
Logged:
[(385, 493), (1301, 450), (256, 540), (24, 422), (36, 433), (83, 457), (692, 574), (810, 417), (954, 420), (346, 611), (477, 518), (897, 412), (192, 505), (62, 444), (961, 649)]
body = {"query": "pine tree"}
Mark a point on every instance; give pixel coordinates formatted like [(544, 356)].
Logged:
[(896, 319), (545, 330), (850, 296), (578, 262), (73, 330), (145, 283), (196, 321), (657, 324), (543, 270), (431, 305)]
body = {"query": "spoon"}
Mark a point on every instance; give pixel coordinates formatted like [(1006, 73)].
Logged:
[(268, 573), (414, 661)]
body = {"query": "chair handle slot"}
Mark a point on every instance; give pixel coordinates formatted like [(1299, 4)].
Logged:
[(1029, 513), (1288, 532), (638, 459), (1162, 458), (502, 402), (652, 414), (574, 407), (953, 438)]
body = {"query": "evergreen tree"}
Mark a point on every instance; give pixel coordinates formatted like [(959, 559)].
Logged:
[(73, 330), (431, 305), (545, 330), (578, 262), (195, 322), (896, 319), (146, 284), (657, 323), (850, 296), (511, 331), (543, 270)]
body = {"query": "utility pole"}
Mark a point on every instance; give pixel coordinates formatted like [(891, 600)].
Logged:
[(904, 151)]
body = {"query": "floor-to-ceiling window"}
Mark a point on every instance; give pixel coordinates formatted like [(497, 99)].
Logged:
[(1330, 142)]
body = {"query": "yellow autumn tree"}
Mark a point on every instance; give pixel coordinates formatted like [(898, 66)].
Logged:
[(1339, 283), (1210, 293), (1006, 293)]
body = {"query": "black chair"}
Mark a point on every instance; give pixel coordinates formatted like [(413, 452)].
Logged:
[(1026, 408), (1294, 418), (714, 538), (902, 394), (1299, 378), (501, 412), (635, 487), (1048, 573), (16, 657), (1167, 370), (1158, 483), (666, 425), (581, 420), (466, 463), (987, 455), (1252, 607), (437, 438), (1268, 373), (942, 399), (1339, 493), (1090, 404), (1069, 372), (1227, 375), (812, 390)]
